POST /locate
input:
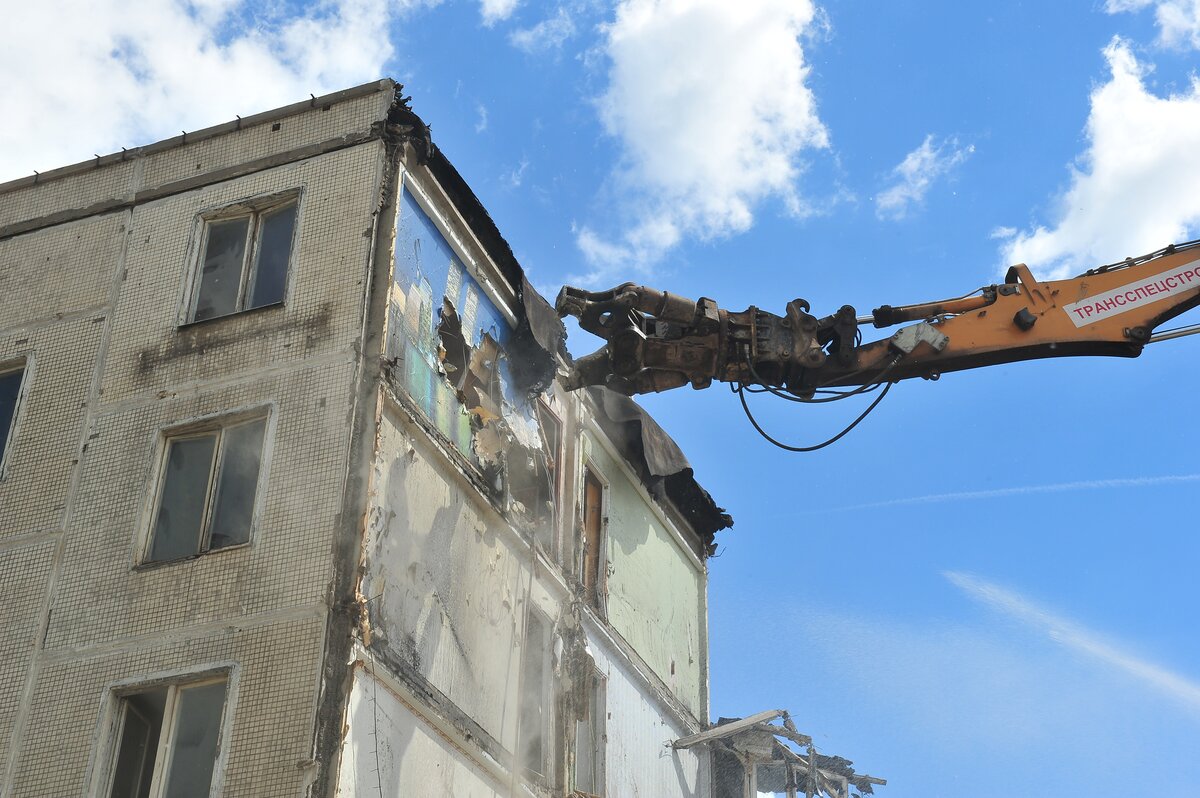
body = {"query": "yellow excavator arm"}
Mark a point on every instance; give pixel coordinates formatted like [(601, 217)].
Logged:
[(656, 341)]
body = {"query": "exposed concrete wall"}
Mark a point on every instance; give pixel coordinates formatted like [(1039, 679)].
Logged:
[(451, 569), (391, 751), (639, 758), (446, 582), (655, 587)]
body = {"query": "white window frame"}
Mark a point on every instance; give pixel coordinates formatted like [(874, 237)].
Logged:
[(254, 208), (199, 427), (24, 365), (102, 764)]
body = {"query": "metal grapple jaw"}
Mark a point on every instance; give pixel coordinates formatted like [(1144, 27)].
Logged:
[(656, 341)]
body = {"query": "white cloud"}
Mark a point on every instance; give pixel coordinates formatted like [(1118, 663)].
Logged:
[(913, 177), (104, 74), (549, 34), (494, 11), (1078, 638), (517, 175), (1178, 20), (708, 102), (1025, 490), (481, 120), (1134, 189)]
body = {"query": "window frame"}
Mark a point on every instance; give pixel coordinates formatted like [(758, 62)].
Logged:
[(598, 599), (23, 364), (254, 209), (557, 458), (198, 428), (103, 758), (599, 728), (545, 692)]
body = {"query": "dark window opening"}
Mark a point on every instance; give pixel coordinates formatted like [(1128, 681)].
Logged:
[(168, 740), (774, 779), (533, 478), (533, 732), (244, 263), (592, 560), (208, 486), (453, 351), (552, 433), (10, 397), (729, 774), (590, 734)]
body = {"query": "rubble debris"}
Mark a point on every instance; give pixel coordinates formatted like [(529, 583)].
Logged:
[(756, 754), (505, 428)]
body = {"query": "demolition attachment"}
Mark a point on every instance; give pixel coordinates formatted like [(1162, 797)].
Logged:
[(658, 341)]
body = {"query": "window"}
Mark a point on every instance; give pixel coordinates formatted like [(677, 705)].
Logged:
[(534, 718), (590, 735), (592, 533), (536, 486), (244, 256), (206, 490), (10, 399), (168, 739)]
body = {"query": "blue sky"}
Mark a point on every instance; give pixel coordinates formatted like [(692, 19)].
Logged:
[(987, 588)]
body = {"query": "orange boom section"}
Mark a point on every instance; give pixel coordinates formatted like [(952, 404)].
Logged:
[(656, 340)]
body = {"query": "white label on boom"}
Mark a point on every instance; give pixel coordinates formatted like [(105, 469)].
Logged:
[(1127, 297)]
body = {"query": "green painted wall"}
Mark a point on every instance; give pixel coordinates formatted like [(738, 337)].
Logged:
[(655, 589)]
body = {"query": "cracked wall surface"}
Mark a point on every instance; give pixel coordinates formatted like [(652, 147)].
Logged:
[(473, 524)]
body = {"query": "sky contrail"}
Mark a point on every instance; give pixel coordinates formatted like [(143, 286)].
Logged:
[(1060, 487), (1076, 637)]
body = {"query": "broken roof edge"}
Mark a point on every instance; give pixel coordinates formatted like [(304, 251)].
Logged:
[(240, 123), (657, 459), (659, 463)]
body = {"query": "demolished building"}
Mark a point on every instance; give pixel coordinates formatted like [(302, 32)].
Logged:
[(291, 503)]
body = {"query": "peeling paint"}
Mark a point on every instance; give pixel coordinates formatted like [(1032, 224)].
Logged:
[(468, 529)]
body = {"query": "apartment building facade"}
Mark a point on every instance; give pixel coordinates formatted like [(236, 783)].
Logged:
[(290, 503)]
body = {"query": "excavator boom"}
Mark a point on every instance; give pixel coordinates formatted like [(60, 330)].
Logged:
[(656, 341)]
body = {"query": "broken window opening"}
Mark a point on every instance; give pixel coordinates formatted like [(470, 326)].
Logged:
[(591, 560), (534, 719), (549, 497), (774, 780), (453, 350), (207, 490), (11, 380), (728, 774), (519, 463), (590, 742), (243, 262), (168, 740)]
